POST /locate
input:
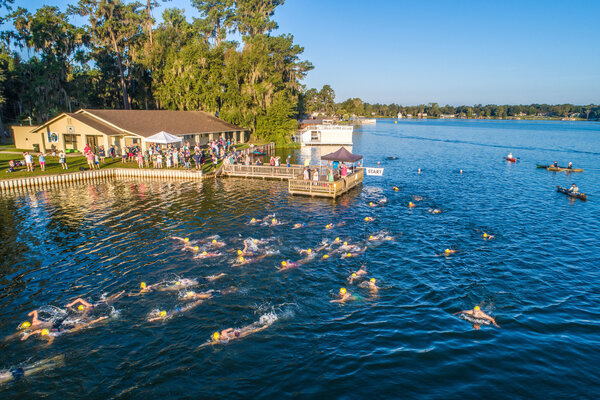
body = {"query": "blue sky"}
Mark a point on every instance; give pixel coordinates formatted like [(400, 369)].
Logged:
[(450, 52)]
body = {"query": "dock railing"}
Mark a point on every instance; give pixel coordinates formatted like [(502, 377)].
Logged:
[(263, 171), (299, 185)]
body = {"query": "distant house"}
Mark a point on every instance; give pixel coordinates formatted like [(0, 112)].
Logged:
[(72, 131)]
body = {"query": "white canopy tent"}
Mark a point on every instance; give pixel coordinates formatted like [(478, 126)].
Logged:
[(163, 137)]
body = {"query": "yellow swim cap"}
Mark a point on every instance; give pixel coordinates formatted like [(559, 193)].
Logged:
[(255, 241), (370, 203), (345, 243), (44, 332), (325, 256), (372, 280), (337, 239), (189, 294), (196, 248), (186, 240), (366, 218), (163, 313), (216, 336), (371, 237), (239, 252), (178, 283), (342, 290), (143, 285), (354, 275), (253, 219), (349, 255), (485, 234), (297, 225), (309, 251), (283, 263), (204, 253), (81, 307), (214, 241), (476, 308), (25, 325), (447, 251), (273, 220), (241, 259)]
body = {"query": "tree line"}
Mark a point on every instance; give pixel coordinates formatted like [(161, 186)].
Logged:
[(322, 102), (121, 58)]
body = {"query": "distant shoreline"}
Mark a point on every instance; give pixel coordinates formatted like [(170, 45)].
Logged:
[(498, 119)]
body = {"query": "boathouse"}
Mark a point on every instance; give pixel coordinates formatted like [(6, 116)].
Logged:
[(72, 131)]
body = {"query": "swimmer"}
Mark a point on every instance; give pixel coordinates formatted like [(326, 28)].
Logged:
[(329, 226), (396, 188), (28, 370), (62, 327), (299, 225), (434, 211), (85, 306), (447, 252), (288, 265), (318, 249), (191, 295), (183, 240), (187, 244), (229, 334), (371, 284), (354, 253), (358, 274), (380, 237), (477, 314), (216, 244), (369, 219), (487, 236), (272, 222), (162, 315), (411, 204), (344, 296), (212, 278), (371, 204), (241, 260), (206, 254), (418, 198), (174, 285), (254, 221)]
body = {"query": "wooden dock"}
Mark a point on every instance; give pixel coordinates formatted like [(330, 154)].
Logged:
[(324, 188), (263, 171)]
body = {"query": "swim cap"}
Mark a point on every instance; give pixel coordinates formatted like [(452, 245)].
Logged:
[(309, 251), (25, 325), (349, 255), (485, 234), (354, 274), (196, 248), (186, 240), (372, 280), (162, 313), (241, 259), (325, 256), (273, 220), (366, 218), (178, 283), (345, 243), (216, 336), (447, 251), (476, 308), (342, 290), (143, 285), (214, 241), (189, 294), (371, 237), (337, 239), (255, 241), (297, 225), (204, 253), (44, 332), (253, 219), (81, 307), (370, 203), (283, 263), (239, 252)]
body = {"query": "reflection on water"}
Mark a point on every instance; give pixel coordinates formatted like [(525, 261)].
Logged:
[(537, 277)]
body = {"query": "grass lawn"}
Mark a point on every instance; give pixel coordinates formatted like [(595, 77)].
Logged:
[(53, 166)]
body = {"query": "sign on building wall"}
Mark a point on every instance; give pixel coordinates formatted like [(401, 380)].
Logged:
[(52, 137)]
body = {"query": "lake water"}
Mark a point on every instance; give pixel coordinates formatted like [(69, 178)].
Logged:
[(538, 277)]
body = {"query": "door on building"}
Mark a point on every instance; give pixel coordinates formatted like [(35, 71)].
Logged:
[(92, 141)]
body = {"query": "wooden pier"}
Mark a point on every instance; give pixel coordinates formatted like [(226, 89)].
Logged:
[(299, 185), (263, 171)]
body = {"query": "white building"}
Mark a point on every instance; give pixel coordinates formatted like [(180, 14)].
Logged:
[(325, 134)]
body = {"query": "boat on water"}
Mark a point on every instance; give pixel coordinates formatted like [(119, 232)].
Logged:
[(510, 159), (563, 169), (392, 158), (542, 166), (580, 196)]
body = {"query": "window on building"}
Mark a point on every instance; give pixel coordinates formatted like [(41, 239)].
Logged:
[(70, 142)]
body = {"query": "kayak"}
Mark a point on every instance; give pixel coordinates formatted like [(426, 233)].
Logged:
[(542, 166), (558, 169), (580, 196), (392, 158), (510, 159)]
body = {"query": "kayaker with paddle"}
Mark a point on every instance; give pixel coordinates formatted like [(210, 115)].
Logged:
[(510, 156), (555, 165), (570, 166), (573, 189)]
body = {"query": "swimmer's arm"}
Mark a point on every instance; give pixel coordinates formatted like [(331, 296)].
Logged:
[(79, 300), (114, 297), (34, 319), (27, 335), (493, 321), (469, 312), (178, 238), (5, 377)]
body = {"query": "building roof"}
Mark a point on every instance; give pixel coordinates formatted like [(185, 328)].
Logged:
[(148, 122)]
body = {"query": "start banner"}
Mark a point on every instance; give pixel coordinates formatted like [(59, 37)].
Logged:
[(375, 171)]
